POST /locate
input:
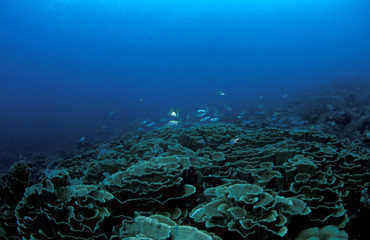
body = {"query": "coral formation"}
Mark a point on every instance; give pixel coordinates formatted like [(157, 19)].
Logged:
[(193, 184), (341, 108)]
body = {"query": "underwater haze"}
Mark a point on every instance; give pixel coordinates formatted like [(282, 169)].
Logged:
[(85, 71)]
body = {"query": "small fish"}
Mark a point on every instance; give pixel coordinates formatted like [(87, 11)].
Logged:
[(173, 123), (233, 141), (141, 100), (83, 138), (188, 116), (261, 97), (150, 124), (245, 122), (284, 96), (330, 107), (221, 93), (261, 106), (110, 113), (227, 107), (367, 134), (173, 113), (241, 115), (102, 152), (205, 118), (214, 119), (200, 141), (202, 110), (217, 113), (202, 114)]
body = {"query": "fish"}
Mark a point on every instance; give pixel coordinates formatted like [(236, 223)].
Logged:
[(102, 152), (217, 113), (233, 141), (241, 115), (221, 93), (141, 100), (200, 141), (261, 97), (83, 138), (150, 124), (245, 122), (205, 118), (214, 119), (173, 123), (110, 113), (330, 107), (202, 110), (284, 96), (173, 113), (227, 107), (367, 134), (201, 114), (188, 116)]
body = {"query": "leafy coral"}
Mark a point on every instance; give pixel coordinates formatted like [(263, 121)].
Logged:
[(193, 180)]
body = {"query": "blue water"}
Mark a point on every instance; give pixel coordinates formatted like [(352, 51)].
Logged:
[(65, 65)]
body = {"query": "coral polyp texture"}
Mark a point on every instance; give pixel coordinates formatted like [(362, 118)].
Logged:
[(192, 184)]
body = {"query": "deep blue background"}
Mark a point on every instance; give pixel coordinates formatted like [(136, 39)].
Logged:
[(65, 64)]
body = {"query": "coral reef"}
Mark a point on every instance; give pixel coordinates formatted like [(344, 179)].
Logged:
[(193, 184), (341, 108)]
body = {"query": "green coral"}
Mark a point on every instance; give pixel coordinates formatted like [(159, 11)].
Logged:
[(192, 182), (158, 227), (54, 209), (328, 232), (246, 208)]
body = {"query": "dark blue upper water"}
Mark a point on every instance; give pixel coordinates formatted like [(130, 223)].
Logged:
[(66, 65)]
